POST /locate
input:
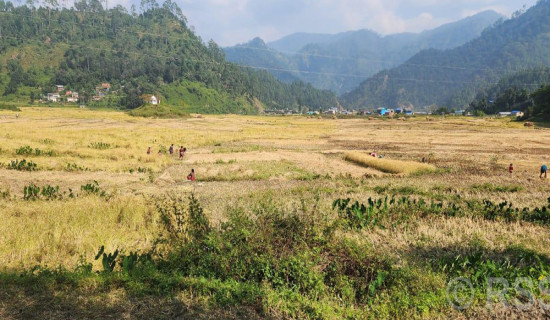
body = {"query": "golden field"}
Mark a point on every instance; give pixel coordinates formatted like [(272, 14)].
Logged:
[(253, 164), (240, 159)]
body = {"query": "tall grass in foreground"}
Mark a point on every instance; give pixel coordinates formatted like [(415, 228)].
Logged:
[(387, 165)]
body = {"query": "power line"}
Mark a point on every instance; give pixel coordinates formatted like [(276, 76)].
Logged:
[(383, 77), (166, 36)]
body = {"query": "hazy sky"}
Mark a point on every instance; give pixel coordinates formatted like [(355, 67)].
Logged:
[(229, 22)]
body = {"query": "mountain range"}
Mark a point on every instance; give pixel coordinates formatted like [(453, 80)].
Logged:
[(454, 77), (340, 62)]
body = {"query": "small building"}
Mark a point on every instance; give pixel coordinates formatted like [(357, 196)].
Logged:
[(408, 112), (153, 100), (54, 97), (518, 114), (398, 110), (504, 114), (73, 97), (106, 86), (382, 111), (59, 88)]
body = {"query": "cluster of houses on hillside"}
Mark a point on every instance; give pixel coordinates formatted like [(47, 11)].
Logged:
[(101, 91), (62, 96)]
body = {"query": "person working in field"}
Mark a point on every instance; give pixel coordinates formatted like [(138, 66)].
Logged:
[(543, 170), (191, 175), (511, 169), (171, 149), (149, 150), (182, 152)]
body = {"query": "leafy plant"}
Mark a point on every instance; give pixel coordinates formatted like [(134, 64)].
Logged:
[(71, 167), (51, 193), (22, 165), (28, 151), (31, 192), (108, 261), (93, 188)]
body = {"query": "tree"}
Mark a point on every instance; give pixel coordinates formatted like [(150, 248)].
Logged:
[(17, 76), (541, 98)]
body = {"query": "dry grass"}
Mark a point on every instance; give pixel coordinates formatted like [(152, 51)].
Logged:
[(241, 160), (388, 165), (59, 232)]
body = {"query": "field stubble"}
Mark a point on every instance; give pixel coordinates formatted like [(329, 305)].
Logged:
[(245, 161)]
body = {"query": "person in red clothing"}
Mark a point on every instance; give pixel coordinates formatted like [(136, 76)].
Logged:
[(511, 169), (149, 150), (191, 175)]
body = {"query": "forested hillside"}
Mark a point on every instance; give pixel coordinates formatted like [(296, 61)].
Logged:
[(340, 62), (453, 77), (152, 51), (514, 92)]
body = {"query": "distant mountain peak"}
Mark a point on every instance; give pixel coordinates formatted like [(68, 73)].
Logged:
[(254, 43)]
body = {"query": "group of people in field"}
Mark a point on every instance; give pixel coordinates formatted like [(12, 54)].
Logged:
[(172, 151), (181, 151), (543, 170)]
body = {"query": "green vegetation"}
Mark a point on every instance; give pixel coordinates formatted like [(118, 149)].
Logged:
[(135, 56), (340, 62), (452, 77), (9, 107), (100, 145), (391, 211), (291, 263), (22, 165), (28, 151)]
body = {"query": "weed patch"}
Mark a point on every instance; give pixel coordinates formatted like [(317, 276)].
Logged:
[(22, 165)]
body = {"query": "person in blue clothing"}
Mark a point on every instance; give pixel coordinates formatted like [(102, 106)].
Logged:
[(543, 170)]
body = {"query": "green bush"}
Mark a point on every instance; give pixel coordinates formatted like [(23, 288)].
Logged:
[(93, 188), (22, 165), (28, 151)]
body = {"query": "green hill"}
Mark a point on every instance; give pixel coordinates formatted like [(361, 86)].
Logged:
[(152, 52), (340, 62), (453, 77)]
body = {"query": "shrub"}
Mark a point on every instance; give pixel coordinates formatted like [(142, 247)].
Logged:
[(50, 193), (74, 167), (22, 165), (28, 151), (385, 212), (31, 192), (93, 188)]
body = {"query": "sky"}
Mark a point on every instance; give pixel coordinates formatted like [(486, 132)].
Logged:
[(229, 22)]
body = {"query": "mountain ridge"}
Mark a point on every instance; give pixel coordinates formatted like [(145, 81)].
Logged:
[(452, 77), (340, 62)]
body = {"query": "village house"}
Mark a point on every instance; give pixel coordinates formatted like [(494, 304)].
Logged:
[(516, 113), (73, 97), (504, 114), (153, 100), (54, 97), (59, 88)]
